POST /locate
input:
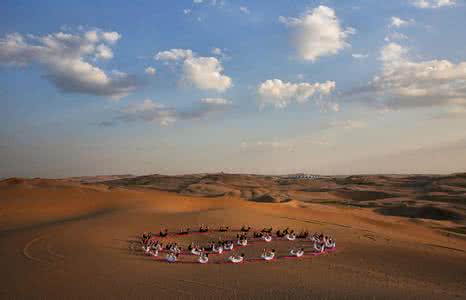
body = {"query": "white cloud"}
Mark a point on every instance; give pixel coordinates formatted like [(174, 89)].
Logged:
[(197, 1), (280, 94), (187, 11), (104, 52), (174, 54), (244, 9), (318, 33), (150, 71), (215, 101), (359, 55), (407, 83), (150, 111), (398, 22), (432, 3), (66, 58), (111, 37), (206, 73)]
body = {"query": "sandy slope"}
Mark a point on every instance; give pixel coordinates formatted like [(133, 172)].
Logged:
[(61, 239)]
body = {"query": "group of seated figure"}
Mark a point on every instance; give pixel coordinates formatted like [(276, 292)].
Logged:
[(152, 247)]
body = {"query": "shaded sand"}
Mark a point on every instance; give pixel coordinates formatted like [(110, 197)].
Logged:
[(63, 239)]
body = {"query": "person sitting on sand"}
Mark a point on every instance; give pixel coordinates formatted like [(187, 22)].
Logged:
[(209, 247), (217, 248), (317, 237), (154, 248), (242, 241), (236, 259), (286, 231), (319, 247), (267, 237), (203, 228), (224, 228), (172, 257), (297, 252), (203, 258), (303, 234), (268, 255), (196, 251), (245, 229), (290, 236), (175, 248), (258, 234), (228, 246), (146, 236), (191, 246), (280, 233), (163, 233), (146, 247), (267, 230), (329, 243)]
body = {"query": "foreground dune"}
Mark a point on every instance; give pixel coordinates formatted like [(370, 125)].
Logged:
[(65, 239)]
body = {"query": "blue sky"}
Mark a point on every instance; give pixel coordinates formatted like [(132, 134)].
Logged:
[(332, 87)]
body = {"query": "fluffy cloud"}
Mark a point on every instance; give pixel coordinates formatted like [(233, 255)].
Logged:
[(150, 111), (206, 73), (318, 33), (150, 71), (280, 94), (432, 3), (405, 83), (398, 22), (67, 59)]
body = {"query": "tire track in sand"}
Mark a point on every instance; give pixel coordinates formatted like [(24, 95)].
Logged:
[(29, 245)]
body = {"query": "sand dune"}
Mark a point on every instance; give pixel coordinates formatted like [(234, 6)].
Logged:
[(63, 238)]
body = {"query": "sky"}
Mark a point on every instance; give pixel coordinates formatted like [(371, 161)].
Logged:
[(266, 87)]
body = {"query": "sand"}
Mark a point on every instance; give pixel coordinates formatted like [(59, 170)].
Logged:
[(64, 239)]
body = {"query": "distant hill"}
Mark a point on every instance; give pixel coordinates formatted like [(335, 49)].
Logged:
[(417, 196)]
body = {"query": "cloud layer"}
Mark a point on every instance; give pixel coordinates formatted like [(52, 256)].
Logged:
[(150, 111), (407, 83), (318, 33), (279, 94), (70, 60), (432, 3)]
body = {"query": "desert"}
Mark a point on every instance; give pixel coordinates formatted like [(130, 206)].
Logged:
[(397, 236)]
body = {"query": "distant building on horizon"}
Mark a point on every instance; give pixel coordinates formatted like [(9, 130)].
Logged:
[(302, 176)]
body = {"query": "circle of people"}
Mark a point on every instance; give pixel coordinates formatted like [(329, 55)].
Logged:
[(153, 247)]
